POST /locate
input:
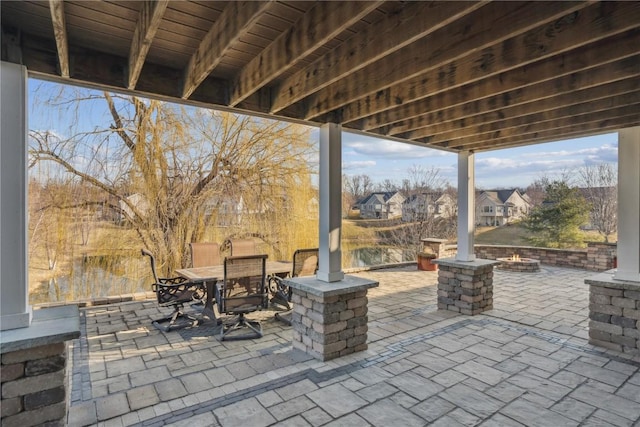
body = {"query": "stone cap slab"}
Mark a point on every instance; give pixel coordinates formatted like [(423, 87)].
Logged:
[(606, 280), (313, 286), (476, 264), (49, 326)]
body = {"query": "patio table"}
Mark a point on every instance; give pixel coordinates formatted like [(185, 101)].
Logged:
[(212, 274)]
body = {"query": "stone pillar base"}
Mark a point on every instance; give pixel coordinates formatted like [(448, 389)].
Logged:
[(330, 318), (465, 286), (33, 364), (614, 313)]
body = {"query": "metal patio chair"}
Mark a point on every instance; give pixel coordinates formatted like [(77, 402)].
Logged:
[(305, 263), (175, 292), (242, 291), (205, 254)]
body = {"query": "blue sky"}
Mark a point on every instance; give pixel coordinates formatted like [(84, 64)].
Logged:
[(383, 159), (515, 167)]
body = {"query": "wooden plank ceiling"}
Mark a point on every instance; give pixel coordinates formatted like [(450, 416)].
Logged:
[(448, 75)]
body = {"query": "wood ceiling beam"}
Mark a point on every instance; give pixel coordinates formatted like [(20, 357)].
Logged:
[(572, 31), (60, 33), (321, 23), (149, 19), (541, 117), (571, 132), (233, 23), (488, 26), (532, 99), (379, 39), (589, 121), (481, 94)]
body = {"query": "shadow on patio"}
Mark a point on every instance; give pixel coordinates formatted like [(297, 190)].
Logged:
[(526, 362)]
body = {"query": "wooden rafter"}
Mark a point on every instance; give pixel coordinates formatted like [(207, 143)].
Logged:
[(149, 20), (486, 27), (60, 34), (578, 126), (535, 49), (449, 75), (414, 21), (328, 20), (567, 103), (535, 118), (232, 24), (503, 88)]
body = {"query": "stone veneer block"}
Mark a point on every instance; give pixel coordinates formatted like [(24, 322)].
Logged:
[(614, 313), (329, 319), (465, 286), (33, 362)]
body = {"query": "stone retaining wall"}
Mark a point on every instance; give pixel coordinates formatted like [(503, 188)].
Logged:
[(597, 256), (34, 386), (330, 327)]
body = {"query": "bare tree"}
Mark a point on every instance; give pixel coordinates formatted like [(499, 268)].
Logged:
[(167, 169), (600, 188), (424, 215)]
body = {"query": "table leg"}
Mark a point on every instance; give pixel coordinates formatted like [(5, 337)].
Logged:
[(208, 309)]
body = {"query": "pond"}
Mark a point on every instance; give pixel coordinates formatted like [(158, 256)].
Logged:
[(94, 276)]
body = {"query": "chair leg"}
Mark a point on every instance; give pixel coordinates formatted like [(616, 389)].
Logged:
[(284, 317), (173, 323), (241, 322)]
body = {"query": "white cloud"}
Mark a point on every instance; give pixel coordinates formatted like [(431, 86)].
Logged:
[(380, 148), (358, 164)]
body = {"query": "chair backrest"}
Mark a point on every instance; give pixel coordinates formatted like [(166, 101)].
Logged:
[(305, 262), (205, 254), (243, 289), (243, 247), (153, 264)]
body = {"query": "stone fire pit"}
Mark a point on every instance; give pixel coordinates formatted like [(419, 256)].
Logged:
[(516, 263)]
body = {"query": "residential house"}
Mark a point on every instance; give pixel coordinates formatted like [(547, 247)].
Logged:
[(383, 205), (419, 207), (500, 207)]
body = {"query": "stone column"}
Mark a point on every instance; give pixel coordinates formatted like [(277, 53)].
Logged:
[(32, 371), (614, 313), (465, 287), (330, 319)]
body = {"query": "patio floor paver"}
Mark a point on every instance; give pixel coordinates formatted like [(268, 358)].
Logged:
[(526, 362)]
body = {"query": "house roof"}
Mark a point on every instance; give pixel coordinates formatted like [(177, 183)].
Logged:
[(454, 76), (379, 197), (500, 196)]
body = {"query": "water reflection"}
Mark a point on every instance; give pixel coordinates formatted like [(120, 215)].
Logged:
[(375, 255), (95, 276)]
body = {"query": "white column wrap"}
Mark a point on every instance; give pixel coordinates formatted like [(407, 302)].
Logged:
[(629, 205), (466, 206), (14, 285), (330, 256)]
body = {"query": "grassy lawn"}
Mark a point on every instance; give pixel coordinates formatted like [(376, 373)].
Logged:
[(515, 235)]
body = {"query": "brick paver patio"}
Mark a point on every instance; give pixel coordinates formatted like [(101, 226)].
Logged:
[(526, 362)]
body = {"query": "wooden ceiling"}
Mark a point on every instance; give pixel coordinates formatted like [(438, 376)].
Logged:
[(448, 75)]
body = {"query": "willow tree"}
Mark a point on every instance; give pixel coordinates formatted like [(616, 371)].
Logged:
[(166, 169)]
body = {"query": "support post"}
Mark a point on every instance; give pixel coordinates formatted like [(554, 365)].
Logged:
[(628, 205), (466, 206), (14, 289), (330, 183)]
